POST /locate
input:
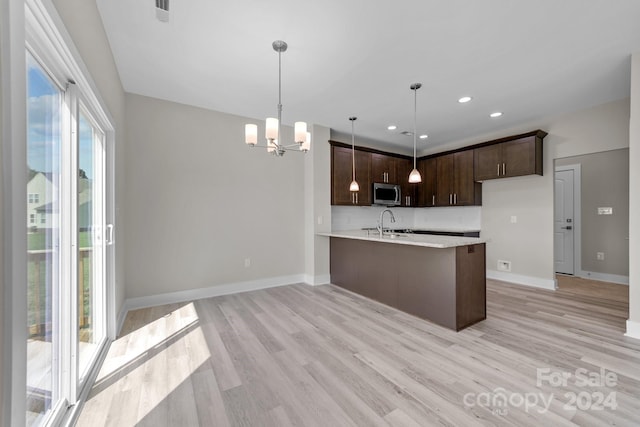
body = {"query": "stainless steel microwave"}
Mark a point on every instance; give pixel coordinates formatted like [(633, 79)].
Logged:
[(386, 194)]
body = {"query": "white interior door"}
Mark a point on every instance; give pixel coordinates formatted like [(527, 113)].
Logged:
[(564, 222)]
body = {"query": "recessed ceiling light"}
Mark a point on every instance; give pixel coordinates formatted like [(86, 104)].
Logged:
[(392, 127), (424, 136), (464, 99), (496, 114)]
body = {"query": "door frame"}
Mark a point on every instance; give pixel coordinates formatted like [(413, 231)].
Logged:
[(577, 214)]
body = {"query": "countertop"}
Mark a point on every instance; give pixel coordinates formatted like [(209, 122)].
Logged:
[(425, 240)]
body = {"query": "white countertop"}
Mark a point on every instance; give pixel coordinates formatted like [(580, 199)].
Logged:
[(425, 240)]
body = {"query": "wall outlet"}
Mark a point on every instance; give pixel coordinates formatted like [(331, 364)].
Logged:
[(605, 211), (600, 256), (514, 219), (320, 220), (504, 265), (247, 262)]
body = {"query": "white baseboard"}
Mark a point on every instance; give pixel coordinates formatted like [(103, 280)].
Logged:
[(121, 316), (519, 279), (321, 279), (212, 291), (604, 277), (633, 329)]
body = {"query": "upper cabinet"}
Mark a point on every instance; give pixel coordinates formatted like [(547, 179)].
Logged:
[(384, 169), (508, 158), (455, 185), (428, 188), (341, 177)]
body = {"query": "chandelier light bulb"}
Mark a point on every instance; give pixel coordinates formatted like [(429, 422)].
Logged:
[(300, 132), (271, 128), (251, 134)]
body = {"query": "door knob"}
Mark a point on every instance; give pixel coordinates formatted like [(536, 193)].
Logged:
[(568, 227)]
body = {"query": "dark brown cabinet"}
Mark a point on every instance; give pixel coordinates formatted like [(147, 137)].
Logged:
[(427, 189), (341, 177), (518, 157), (384, 169), (455, 185), (409, 191)]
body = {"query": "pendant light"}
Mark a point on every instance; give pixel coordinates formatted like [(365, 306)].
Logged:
[(414, 176), (354, 184)]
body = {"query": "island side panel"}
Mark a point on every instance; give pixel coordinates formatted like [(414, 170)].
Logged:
[(471, 285), (427, 283), (415, 279)]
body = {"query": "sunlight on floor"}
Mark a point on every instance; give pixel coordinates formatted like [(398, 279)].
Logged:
[(173, 344)]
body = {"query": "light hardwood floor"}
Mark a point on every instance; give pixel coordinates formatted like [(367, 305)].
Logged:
[(321, 356)]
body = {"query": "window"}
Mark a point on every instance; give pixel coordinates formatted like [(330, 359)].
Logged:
[(32, 218), (34, 198)]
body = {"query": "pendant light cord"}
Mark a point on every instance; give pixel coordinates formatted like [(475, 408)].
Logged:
[(415, 115), (279, 96), (353, 152)]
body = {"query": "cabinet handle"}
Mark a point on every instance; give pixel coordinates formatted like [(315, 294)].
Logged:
[(455, 198), (450, 198), (386, 177), (503, 170), (433, 200), (356, 198), (498, 169)]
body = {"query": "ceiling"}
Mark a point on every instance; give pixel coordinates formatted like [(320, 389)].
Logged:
[(528, 59)]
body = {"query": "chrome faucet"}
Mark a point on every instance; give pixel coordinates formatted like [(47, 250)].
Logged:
[(380, 221)]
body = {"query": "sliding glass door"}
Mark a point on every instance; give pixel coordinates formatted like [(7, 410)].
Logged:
[(44, 279), (91, 245), (66, 216)]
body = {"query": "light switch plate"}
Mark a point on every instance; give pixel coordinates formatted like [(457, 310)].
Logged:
[(605, 211)]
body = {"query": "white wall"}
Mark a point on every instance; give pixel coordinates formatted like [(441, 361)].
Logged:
[(84, 25), (200, 202), (317, 214), (633, 324), (3, 6)]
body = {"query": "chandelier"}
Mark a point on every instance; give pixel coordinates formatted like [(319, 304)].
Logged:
[(302, 138)]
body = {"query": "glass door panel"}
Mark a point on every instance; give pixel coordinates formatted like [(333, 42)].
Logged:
[(91, 218), (43, 242)]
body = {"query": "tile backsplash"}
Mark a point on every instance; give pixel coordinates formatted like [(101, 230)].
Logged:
[(449, 218)]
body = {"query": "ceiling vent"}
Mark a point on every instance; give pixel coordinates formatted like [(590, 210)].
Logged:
[(162, 10)]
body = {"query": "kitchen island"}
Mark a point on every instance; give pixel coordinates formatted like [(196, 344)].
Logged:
[(437, 278)]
